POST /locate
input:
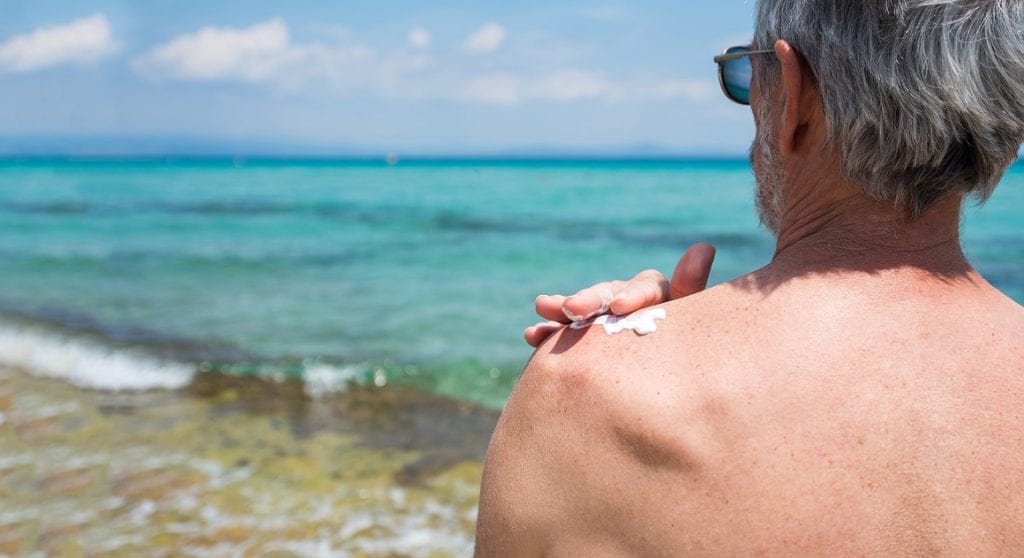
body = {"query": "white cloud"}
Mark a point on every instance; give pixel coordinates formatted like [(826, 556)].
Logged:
[(509, 89), (485, 40), (495, 89), (578, 85), (261, 53), (266, 54), (82, 41), (419, 38), (221, 53), (571, 85)]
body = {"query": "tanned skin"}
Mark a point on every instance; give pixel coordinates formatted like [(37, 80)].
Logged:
[(859, 396)]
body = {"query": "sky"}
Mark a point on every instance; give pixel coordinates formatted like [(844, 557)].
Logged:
[(342, 77)]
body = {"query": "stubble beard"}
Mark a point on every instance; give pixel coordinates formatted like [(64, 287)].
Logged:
[(768, 171)]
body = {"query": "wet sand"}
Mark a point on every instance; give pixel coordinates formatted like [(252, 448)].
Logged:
[(235, 466)]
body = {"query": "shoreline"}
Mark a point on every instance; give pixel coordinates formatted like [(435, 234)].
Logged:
[(93, 356), (237, 465)]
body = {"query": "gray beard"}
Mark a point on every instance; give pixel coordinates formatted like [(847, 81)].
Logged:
[(768, 172)]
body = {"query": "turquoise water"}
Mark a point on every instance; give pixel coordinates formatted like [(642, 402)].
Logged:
[(421, 273)]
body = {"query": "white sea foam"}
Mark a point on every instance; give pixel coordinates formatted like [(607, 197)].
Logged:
[(85, 362), (323, 379)]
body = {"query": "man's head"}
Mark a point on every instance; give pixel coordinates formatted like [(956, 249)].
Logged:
[(922, 99)]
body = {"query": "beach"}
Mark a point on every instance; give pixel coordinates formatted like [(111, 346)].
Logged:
[(235, 466), (307, 357)]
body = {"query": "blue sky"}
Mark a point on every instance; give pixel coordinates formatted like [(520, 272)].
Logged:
[(412, 77)]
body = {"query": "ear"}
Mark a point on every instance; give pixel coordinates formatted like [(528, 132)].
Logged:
[(797, 82)]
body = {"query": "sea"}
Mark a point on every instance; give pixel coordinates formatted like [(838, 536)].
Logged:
[(140, 274)]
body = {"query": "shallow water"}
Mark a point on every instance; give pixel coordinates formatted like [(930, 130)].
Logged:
[(421, 274), (236, 466)]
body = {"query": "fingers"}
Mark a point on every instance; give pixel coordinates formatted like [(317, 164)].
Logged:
[(590, 302), (549, 307), (536, 334), (648, 288), (692, 271)]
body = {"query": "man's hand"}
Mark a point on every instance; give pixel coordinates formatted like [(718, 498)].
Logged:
[(648, 288)]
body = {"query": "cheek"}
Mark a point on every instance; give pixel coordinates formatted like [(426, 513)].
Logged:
[(755, 88)]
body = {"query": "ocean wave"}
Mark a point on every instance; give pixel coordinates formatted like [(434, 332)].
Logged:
[(94, 356), (86, 362), (102, 352), (319, 379)]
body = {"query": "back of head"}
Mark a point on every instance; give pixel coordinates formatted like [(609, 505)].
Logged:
[(923, 98)]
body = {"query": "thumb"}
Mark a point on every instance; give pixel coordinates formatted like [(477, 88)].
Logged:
[(692, 271)]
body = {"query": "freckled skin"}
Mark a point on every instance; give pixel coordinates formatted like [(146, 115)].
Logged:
[(849, 415)]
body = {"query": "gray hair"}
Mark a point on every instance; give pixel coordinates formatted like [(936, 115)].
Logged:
[(923, 98)]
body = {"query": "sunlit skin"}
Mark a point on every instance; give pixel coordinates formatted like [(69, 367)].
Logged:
[(860, 395), (647, 288)]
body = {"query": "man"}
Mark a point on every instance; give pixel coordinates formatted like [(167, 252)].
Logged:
[(861, 394)]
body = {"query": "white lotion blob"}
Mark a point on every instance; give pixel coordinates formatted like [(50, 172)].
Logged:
[(642, 322)]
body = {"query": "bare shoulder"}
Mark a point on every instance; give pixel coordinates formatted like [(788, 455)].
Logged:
[(625, 375), (612, 384), (685, 333), (541, 489), (540, 464), (669, 368), (595, 425)]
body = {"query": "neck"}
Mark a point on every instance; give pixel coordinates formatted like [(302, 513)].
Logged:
[(857, 234)]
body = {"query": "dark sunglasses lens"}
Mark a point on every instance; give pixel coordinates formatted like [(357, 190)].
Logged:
[(736, 76)]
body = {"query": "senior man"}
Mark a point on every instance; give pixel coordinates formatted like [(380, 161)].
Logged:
[(860, 395)]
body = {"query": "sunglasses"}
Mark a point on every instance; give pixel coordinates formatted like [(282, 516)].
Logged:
[(735, 72)]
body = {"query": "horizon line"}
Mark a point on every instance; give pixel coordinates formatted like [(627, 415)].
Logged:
[(394, 158), (389, 159)]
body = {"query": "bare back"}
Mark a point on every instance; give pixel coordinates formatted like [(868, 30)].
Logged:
[(827, 415)]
